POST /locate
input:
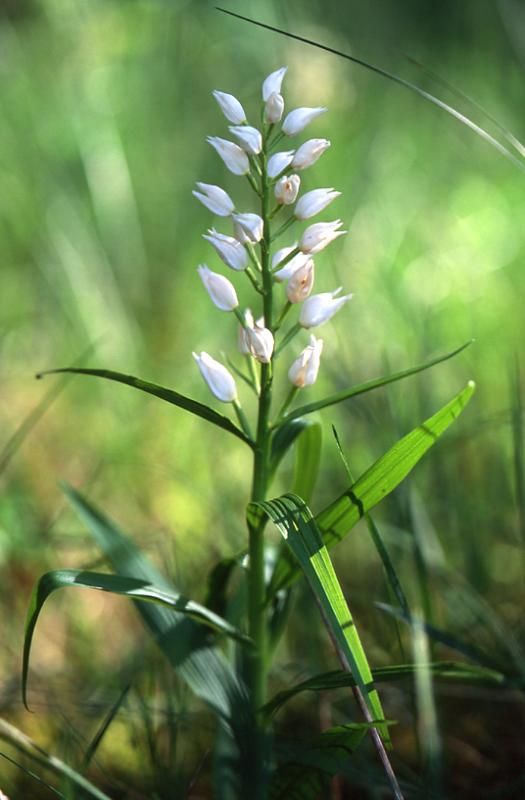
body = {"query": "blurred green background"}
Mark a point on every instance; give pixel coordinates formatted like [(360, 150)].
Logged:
[(105, 107)]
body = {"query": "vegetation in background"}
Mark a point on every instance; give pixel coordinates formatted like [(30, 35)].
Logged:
[(104, 109)]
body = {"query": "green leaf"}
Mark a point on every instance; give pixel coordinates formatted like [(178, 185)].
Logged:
[(369, 385), (36, 753), (307, 460), (447, 671), (307, 766), (133, 588), (185, 643), (380, 546), (283, 438), (336, 521), (169, 395), (446, 638), (295, 522)]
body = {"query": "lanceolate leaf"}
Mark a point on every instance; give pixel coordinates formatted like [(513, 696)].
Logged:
[(169, 395), (298, 528), (354, 391), (133, 588), (185, 643), (448, 671), (285, 435), (336, 521), (307, 461)]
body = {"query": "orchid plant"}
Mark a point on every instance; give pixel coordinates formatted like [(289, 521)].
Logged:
[(235, 687)]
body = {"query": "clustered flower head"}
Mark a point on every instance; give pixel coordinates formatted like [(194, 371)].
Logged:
[(249, 246)]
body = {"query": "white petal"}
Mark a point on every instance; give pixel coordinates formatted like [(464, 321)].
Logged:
[(273, 83)]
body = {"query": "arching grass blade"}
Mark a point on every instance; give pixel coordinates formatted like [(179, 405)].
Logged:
[(133, 588), (477, 129), (295, 522)]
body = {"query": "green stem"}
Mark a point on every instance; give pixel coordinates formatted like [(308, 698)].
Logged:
[(241, 416), (285, 406), (286, 259), (280, 319), (284, 227), (288, 338), (257, 622)]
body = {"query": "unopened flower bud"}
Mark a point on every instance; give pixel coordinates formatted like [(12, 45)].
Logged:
[(274, 108), (305, 368), (233, 156), (244, 346), (248, 227), (219, 380), (299, 118), (314, 202), (287, 189), (230, 107), (278, 163), (215, 199), (301, 282), (232, 252), (220, 289), (319, 308), (317, 236), (272, 84), (295, 263), (308, 153), (260, 342), (249, 138)]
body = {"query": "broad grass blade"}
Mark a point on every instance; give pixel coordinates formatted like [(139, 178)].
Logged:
[(133, 588), (336, 521), (295, 522), (185, 643), (446, 671), (169, 395), (368, 386)]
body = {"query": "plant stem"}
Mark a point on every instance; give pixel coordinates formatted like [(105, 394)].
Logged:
[(256, 586)]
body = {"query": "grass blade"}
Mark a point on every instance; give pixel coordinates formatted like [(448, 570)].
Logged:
[(133, 588), (183, 641), (295, 522), (477, 129), (32, 750), (368, 386), (446, 671), (169, 395), (377, 482), (444, 637)]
